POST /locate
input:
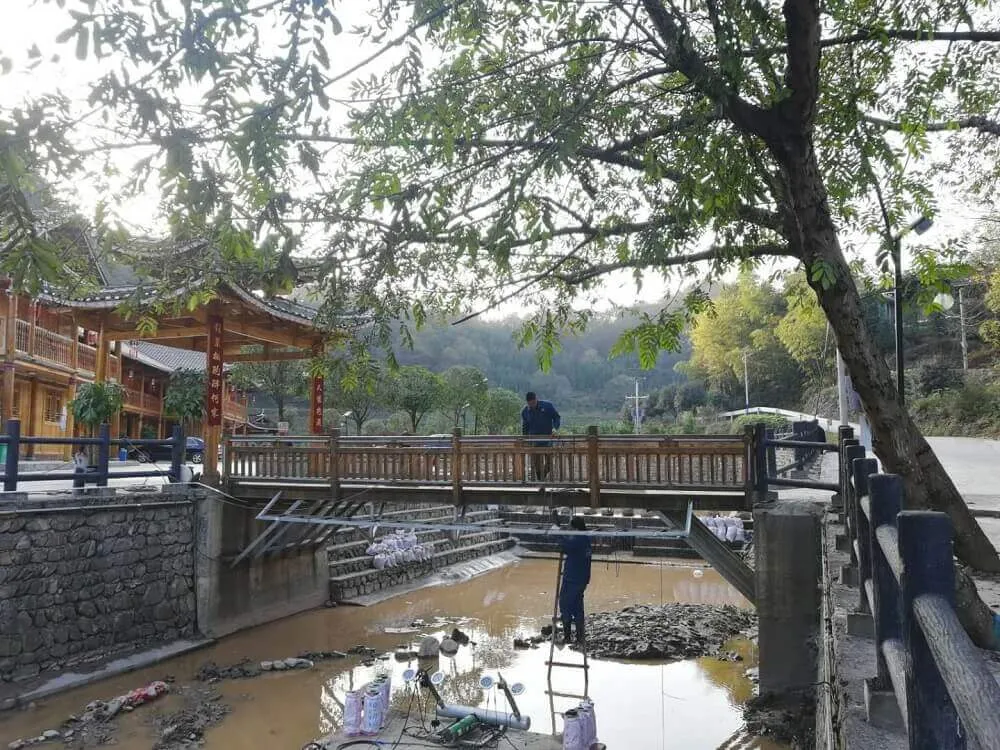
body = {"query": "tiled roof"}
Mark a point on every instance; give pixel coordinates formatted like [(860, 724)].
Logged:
[(170, 358)]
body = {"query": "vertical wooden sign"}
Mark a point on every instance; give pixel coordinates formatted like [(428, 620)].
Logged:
[(213, 390), (316, 403)]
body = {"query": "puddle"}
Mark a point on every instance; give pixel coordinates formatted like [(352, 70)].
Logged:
[(692, 704)]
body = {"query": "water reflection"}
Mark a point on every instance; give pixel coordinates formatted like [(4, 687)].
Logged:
[(692, 705)]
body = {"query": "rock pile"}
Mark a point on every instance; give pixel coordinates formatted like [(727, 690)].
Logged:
[(665, 632)]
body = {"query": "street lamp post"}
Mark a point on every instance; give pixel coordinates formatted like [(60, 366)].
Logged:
[(746, 384), (919, 226), (343, 421)]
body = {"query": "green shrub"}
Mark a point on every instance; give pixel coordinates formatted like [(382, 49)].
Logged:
[(936, 376), (771, 421)]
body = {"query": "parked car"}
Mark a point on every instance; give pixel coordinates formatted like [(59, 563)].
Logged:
[(194, 452)]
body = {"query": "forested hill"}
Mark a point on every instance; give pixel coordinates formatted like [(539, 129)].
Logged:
[(581, 374)]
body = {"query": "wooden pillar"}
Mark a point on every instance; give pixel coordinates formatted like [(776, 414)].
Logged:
[(7, 400), (75, 355), (70, 421), (212, 432), (33, 314), (103, 355), (33, 418), (116, 418)]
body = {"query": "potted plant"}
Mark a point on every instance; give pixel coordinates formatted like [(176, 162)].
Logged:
[(95, 404)]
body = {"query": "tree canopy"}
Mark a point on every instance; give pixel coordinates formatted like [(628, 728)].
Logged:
[(508, 146)]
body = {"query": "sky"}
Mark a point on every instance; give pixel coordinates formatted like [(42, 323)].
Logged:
[(39, 23)]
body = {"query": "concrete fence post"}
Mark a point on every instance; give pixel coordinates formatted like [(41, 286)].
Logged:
[(886, 493), (788, 566), (861, 468), (13, 455), (103, 454), (928, 568)]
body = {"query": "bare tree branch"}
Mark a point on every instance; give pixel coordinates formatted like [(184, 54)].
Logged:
[(713, 253), (973, 122)]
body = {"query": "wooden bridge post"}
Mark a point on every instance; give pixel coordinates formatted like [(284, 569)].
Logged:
[(334, 464), (456, 467), (594, 466), (928, 569)]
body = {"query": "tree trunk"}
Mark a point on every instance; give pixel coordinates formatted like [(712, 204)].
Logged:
[(896, 439)]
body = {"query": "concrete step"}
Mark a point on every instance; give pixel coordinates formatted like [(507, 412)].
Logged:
[(356, 547), (370, 580), (441, 514), (441, 543)]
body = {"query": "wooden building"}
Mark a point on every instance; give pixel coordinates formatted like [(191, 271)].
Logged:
[(52, 344)]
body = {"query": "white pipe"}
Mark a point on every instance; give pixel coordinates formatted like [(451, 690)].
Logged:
[(496, 718)]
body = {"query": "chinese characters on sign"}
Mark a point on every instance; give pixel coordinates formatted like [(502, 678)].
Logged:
[(316, 423), (214, 389)]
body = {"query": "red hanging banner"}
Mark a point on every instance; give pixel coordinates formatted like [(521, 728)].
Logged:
[(316, 404), (213, 389)]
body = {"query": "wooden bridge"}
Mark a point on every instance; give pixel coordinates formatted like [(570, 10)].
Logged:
[(714, 472)]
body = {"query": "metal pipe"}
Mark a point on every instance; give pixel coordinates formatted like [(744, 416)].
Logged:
[(494, 718)]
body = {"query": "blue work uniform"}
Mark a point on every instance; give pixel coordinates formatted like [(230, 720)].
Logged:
[(541, 420), (576, 575)]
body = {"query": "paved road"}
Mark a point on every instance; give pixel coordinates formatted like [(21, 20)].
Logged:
[(974, 466)]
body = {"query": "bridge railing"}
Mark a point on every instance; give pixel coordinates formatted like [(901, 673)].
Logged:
[(699, 462), (16, 473), (946, 695)]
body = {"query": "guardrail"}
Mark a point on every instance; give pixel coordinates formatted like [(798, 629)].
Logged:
[(591, 461), (97, 474), (946, 694), (765, 472)]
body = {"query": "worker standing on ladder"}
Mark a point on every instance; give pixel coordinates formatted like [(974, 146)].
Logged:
[(576, 576)]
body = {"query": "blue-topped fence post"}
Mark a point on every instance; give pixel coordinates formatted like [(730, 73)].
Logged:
[(886, 494), (760, 462), (843, 433), (928, 568), (861, 468), (103, 454), (177, 449), (772, 459), (13, 455)]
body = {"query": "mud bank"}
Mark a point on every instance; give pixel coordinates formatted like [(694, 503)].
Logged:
[(667, 631)]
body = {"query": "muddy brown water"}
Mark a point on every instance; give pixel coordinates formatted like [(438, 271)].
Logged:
[(692, 705)]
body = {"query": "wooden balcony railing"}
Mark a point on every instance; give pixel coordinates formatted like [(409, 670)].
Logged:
[(43, 343), (86, 358)]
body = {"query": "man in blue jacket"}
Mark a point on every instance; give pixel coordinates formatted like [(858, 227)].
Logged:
[(539, 418), (575, 578)]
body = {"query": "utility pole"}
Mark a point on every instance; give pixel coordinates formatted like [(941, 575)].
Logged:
[(841, 389), (746, 384), (636, 412)]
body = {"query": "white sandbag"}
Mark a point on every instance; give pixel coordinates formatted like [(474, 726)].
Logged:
[(352, 713), (731, 533), (380, 562), (589, 718), (371, 722), (574, 731)]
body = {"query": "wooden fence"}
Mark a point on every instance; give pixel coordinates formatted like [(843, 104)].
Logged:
[(588, 461), (946, 694)]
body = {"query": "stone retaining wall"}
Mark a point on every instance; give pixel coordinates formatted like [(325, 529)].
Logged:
[(80, 584)]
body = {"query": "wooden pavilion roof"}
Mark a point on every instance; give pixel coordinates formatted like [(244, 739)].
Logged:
[(278, 327)]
